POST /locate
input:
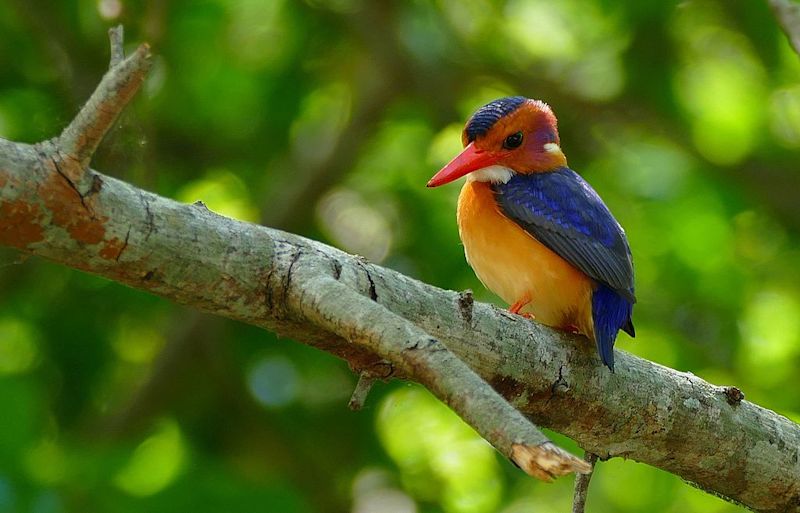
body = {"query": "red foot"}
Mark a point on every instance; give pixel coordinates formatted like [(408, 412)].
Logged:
[(519, 305)]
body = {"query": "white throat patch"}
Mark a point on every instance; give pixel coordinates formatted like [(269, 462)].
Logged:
[(491, 174)]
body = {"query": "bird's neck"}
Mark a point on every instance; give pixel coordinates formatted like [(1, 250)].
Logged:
[(543, 160), (551, 159)]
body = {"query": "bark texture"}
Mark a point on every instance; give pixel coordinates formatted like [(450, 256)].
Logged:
[(387, 324)]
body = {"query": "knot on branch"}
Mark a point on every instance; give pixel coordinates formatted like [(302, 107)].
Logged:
[(733, 395)]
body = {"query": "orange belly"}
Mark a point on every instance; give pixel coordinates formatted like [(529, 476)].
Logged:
[(514, 265)]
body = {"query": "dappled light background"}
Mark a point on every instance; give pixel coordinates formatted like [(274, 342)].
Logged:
[(326, 118)]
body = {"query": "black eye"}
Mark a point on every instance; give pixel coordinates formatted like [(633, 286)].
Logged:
[(513, 141)]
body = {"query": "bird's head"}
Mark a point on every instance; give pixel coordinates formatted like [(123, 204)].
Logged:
[(507, 136)]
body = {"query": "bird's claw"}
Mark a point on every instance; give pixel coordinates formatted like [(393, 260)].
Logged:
[(516, 307)]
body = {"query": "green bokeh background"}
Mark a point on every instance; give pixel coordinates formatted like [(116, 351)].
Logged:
[(327, 118)]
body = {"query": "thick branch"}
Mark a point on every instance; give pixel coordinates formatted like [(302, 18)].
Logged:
[(646, 412)]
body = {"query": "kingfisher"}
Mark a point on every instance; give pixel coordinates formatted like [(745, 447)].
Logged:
[(535, 232)]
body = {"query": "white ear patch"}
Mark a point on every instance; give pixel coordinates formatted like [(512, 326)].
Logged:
[(492, 174), (552, 148)]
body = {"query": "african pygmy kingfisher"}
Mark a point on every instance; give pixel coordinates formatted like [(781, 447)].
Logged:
[(535, 232)]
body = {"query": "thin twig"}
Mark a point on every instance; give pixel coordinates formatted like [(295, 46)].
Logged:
[(582, 484), (364, 385), (788, 14), (117, 36), (81, 138), (427, 361)]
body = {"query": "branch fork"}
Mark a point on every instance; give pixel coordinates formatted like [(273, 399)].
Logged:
[(423, 358)]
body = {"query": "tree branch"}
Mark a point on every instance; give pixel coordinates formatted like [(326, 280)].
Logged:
[(788, 14), (265, 277), (582, 485), (81, 138), (116, 36), (346, 313), (363, 386), (185, 253)]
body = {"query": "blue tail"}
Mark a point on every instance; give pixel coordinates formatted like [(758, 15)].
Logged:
[(611, 313)]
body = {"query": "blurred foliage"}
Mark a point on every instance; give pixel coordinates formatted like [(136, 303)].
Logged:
[(326, 117)]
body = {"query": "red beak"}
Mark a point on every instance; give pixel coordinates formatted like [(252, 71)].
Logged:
[(469, 160)]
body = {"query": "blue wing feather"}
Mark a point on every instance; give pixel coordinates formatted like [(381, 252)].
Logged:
[(563, 212)]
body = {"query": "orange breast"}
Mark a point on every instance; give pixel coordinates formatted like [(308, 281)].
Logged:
[(514, 265)]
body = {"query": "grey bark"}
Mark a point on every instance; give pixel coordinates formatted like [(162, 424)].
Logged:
[(582, 485), (787, 12), (387, 324)]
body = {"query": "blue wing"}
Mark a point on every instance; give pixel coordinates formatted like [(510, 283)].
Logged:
[(565, 214), (562, 211)]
